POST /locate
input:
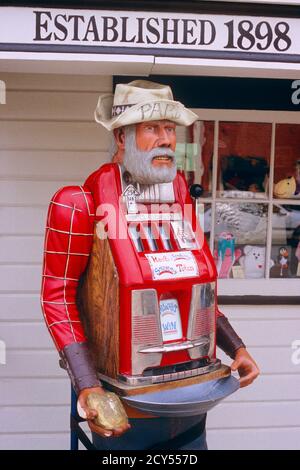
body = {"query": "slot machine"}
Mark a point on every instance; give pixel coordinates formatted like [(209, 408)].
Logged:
[(148, 296)]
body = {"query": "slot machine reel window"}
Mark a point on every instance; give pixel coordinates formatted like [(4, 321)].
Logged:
[(249, 208), (175, 235)]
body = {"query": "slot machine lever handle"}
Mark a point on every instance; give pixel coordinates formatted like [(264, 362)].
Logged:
[(196, 191)]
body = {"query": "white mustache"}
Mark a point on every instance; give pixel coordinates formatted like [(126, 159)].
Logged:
[(147, 156)]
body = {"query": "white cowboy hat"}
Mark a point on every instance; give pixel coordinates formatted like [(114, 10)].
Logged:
[(141, 101)]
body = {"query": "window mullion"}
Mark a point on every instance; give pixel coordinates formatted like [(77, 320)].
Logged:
[(214, 184), (270, 203)]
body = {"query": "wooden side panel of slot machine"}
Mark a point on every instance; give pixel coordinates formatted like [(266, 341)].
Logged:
[(99, 307)]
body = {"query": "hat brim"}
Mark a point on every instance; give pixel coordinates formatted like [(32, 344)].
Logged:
[(150, 110)]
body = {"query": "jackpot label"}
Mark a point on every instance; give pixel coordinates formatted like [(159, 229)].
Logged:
[(172, 265)]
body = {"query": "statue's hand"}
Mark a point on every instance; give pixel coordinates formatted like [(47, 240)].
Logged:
[(246, 367), (92, 414)]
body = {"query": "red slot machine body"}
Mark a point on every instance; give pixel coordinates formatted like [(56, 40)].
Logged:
[(154, 305)]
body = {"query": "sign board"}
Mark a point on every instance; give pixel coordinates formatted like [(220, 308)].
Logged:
[(186, 35)]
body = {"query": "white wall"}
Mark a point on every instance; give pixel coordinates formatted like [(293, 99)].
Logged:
[(48, 139), (265, 415)]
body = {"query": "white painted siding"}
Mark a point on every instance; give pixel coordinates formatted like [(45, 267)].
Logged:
[(48, 139), (265, 415)]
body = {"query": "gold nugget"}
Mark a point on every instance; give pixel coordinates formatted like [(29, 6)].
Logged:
[(111, 413)]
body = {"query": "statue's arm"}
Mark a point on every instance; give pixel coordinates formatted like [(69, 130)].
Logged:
[(229, 341), (68, 243), (227, 338)]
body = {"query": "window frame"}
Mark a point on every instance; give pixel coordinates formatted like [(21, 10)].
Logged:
[(251, 290)]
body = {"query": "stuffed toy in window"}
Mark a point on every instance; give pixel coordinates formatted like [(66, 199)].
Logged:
[(285, 188), (244, 173), (254, 261)]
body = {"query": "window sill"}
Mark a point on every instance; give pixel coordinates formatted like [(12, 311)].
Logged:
[(258, 291)]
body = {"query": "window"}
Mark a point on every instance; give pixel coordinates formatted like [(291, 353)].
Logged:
[(248, 164)]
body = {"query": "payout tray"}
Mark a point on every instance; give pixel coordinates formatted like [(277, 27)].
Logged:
[(191, 400)]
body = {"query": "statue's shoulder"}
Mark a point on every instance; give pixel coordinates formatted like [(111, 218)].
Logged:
[(103, 177), (76, 198), (107, 170)]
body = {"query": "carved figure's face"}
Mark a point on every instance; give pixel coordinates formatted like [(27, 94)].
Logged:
[(149, 154), (157, 134)]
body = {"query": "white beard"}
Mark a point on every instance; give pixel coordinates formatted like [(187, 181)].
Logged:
[(139, 163)]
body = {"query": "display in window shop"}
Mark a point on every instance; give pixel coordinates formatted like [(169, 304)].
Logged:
[(244, 150), (297, 255), (282, 265), (285, 241), (297, 177), (285, 188), (241, 230), (294, 242), (287, 161), (246, 221), (244, 177), (227, 254), (283, 259), (254, 261)]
